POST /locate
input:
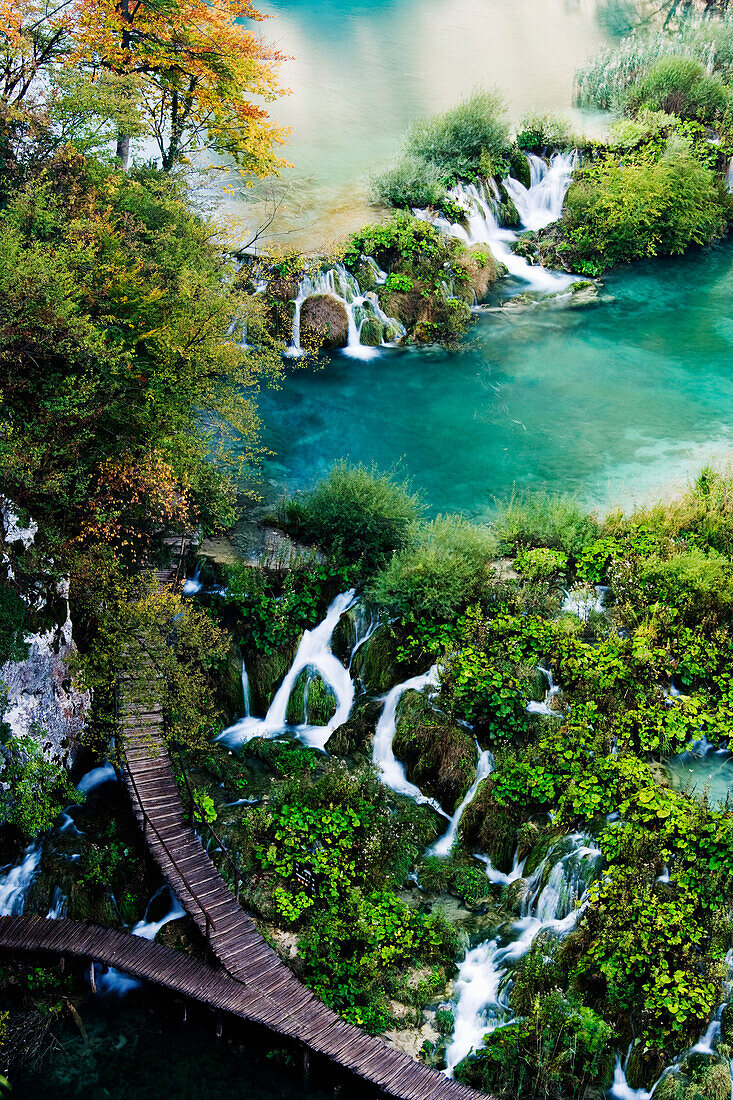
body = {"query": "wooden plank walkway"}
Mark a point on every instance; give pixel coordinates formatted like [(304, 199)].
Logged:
[(395, 1074), (257, 984)]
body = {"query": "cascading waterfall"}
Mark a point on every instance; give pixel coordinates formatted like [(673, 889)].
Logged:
[(553, 901), (339, 283), (442, 847), (582, 601), (541, 203), (391, 772), (246, 693), (314, 652), (16, 882), (729, 177), (546, 707), (117, 983), (500, 878)]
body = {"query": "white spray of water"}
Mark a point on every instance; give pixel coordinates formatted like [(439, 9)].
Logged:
[(729, 177), (481, 203), (443, 846), (57, 908), (117, 983), (545, 707), (193, 585), (340, 284), (246, 693), (541, 203), (391, 771), (95, 778), (500, 878), (582, 601), (314, 653), (16, 882), (552, 902)]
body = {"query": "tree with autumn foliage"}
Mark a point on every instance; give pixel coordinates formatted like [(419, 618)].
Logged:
[(198, 65)]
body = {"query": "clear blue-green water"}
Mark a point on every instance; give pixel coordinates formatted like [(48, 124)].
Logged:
[(617, 402), (362, 71)]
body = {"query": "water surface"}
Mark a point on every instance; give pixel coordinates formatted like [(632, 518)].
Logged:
[(361, 72), (615, 402)]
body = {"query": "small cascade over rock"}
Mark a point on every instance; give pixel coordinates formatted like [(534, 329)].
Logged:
[(314, 657), (442, 847), (552, 705), (16, 881), (554, 901), (391, 772), (340, 296), (729, 177), (541, 204)]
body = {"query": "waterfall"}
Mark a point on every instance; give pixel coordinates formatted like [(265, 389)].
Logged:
[(17, 881), (339, 283), (442, 847), (96, 778), (581, 601), (246, 692), (391, 772), (553, 901), (499, 878), (543, 199), (729, 176), (192, 585), (314, 652), (57, 909), (113, 982), (546, 708), (541, 203)]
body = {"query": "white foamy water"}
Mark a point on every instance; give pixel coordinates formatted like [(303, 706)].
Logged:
[(339, 283), (545, 195), (553, 901), (313, 654), (16, 882), (443, 846)]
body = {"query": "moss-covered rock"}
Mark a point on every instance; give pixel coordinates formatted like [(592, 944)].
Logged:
[(324, 322), (490, 828), (354, 738), (375, 662), (229, 685), (266, 672), (311, 700), (479, 270), (371, 333), (440, 755)]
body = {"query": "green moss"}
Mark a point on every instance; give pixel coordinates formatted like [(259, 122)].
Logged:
[(311, 701), (440, 755)]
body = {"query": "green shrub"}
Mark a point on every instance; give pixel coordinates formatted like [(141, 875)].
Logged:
[(357, 514), (679, 86), (628, 133), (13, 615), (540, 564), (411, 182), (443, 572), (693, 581), (558, 1049), (615, 213), (469, 140), (544, 131), (544, 519)]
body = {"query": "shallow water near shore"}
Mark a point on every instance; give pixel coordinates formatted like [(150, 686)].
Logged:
[(619, 401)]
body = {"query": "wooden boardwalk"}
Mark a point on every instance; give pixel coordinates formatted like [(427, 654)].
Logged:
[(267, 990)]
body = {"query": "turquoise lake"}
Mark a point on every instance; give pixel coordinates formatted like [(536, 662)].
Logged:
[(619, 401)]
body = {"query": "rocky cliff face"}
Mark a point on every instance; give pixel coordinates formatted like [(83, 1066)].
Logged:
[(43, 699)]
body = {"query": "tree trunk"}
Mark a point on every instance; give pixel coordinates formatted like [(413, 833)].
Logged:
[(122, 152)]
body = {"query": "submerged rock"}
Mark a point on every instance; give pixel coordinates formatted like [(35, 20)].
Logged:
[(324, 322)]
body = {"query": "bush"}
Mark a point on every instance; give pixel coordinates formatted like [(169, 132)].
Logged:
[(604, 80), (410, 183), (357, 514), (616, 213), (628, 133), (697, 583), (540, 564), (679, 86), (444, 572), (544, 519), (469, 140), (548, 131), (557, 1050)]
